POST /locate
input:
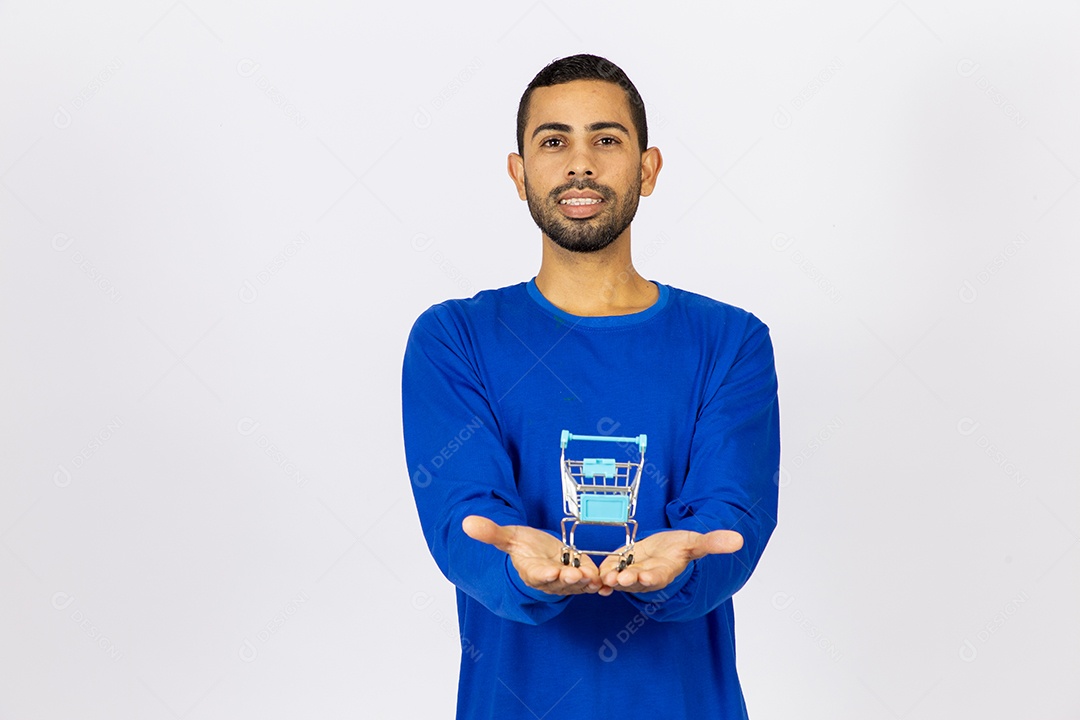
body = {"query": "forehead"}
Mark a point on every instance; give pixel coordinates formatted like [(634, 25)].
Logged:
[(578, 103)]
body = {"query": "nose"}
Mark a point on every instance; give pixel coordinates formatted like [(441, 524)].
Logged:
[(580, 165)]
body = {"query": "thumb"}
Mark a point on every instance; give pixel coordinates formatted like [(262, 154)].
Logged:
[(717, 542), (486, 531)]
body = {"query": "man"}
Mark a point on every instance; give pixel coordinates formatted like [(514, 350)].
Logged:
[(590, 346)]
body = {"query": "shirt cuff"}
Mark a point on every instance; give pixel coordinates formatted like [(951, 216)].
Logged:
[(680, 580), (529, 592)]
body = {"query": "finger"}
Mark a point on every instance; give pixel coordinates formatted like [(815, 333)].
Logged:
[(634, 577), (646, 579), (582, 579), (571, 575), (589, 572), (563, 581), (552, 574), (620, 579), (609, 571), (717, 542), (585, 578), (609, 564), (544, 576), (487, 531)]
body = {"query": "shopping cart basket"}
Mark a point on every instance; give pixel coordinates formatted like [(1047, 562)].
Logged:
[(600, 491)]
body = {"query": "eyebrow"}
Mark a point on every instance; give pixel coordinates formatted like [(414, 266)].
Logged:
[(594, 127)]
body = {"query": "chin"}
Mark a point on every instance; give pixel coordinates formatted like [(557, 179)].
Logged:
[(583, 247)]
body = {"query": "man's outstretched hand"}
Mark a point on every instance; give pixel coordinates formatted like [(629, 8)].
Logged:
[(659, 558), (537, 556)]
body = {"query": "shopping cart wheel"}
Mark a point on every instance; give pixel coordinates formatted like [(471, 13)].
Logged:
[(622, 565), (577, 562), (566, 558), (630, 559)]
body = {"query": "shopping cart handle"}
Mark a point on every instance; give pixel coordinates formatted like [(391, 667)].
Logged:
[(640, 440)]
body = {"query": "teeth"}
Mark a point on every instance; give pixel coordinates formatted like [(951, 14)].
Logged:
[(580, 201)]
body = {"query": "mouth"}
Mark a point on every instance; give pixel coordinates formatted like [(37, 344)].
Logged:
[(580, 205)]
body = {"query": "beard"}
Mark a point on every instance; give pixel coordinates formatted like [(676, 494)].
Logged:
[(584, 235)]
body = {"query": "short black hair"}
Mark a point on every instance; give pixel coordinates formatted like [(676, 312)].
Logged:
[(584, 67)]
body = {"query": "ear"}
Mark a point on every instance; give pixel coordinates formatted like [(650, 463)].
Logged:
[(651, 162), (515, 168)]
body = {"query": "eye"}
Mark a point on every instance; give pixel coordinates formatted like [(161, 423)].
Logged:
[(545, 143), (613, 141)]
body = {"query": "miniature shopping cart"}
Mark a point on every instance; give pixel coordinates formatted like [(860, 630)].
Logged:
[(600, 491)]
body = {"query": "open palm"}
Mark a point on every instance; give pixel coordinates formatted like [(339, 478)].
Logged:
[(537, 557), (659, 558)]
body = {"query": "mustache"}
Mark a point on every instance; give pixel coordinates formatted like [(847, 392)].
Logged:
[(586, 184)]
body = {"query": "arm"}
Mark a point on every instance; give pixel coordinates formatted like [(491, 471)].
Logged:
[(730, 486), (460, 468)]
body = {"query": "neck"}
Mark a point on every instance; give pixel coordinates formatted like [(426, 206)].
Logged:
[(594, 284)]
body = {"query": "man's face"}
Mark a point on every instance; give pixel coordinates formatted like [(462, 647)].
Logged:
[(581, 173)]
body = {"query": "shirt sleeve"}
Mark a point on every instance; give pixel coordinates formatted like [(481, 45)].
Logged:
[(459, 467), (731, 483)]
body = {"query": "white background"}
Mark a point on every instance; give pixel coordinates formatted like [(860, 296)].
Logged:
[(220, 220)]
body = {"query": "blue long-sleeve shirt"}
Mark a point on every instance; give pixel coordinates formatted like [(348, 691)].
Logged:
[(488, 385)]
